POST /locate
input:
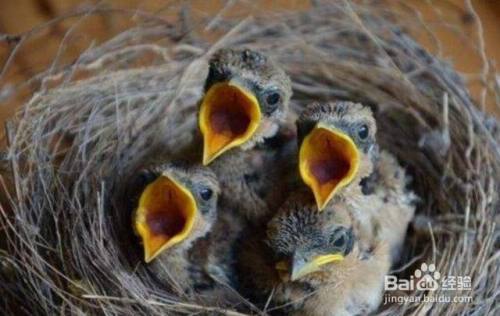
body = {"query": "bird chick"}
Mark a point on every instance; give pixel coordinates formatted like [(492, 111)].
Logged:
[(337, 148), (310, 262), (246, 99), (318, 253), (339, 157), (175, 217)]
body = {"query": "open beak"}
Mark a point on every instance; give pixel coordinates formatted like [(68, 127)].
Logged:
[(299, 267), (229, 116), (165, 215), (328, 160)]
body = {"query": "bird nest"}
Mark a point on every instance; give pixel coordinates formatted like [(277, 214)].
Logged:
[(67, 245)]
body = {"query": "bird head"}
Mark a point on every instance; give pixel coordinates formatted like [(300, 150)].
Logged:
[(246, 96), (306, 241), (176, 206), (336, 143)]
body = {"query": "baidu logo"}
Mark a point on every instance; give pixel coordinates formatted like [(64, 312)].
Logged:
[(424, 279)]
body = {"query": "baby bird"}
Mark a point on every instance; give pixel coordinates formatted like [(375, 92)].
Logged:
[(246, 99), (339, 158), (177, 221), (337, 148), (311, 264)]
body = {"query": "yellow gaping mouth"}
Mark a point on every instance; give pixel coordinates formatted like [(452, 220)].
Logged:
[(297, 269), (328, 160), (229, 116), (165, 215)]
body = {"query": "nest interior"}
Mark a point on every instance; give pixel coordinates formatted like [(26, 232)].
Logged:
[(67, 245)]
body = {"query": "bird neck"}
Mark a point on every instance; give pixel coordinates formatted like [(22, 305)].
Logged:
[(365, 175), (233, 164), (365, 168), (182, 249)]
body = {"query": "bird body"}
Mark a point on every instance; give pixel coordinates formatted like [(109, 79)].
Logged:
[(245, 102), (255, 181), (345, 280), (376, 191), (353, 287), (386, 204), (177, 218), (337, 147), (214, 259)]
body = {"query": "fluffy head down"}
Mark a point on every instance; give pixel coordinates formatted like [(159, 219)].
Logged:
[(299, 233)]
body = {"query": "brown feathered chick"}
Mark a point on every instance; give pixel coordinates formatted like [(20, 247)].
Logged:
[(175, 218), (337, 148), (318, 267), (339, 159), (246, 98)]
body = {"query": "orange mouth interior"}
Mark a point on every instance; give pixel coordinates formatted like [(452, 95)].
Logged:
[(229, 116), (165, 216), (328, 160)]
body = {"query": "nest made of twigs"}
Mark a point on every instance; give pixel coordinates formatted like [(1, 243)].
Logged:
[(67, 245)]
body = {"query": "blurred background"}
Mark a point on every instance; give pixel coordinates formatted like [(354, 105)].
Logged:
[(455, 30)]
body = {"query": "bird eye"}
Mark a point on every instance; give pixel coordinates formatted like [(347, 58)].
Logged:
[(363, 131), (206, 194), (273, 98), (340, 241)]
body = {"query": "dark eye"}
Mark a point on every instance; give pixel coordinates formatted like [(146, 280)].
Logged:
[(206, 194), (273, 98), (363, 131), (340, 241)]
